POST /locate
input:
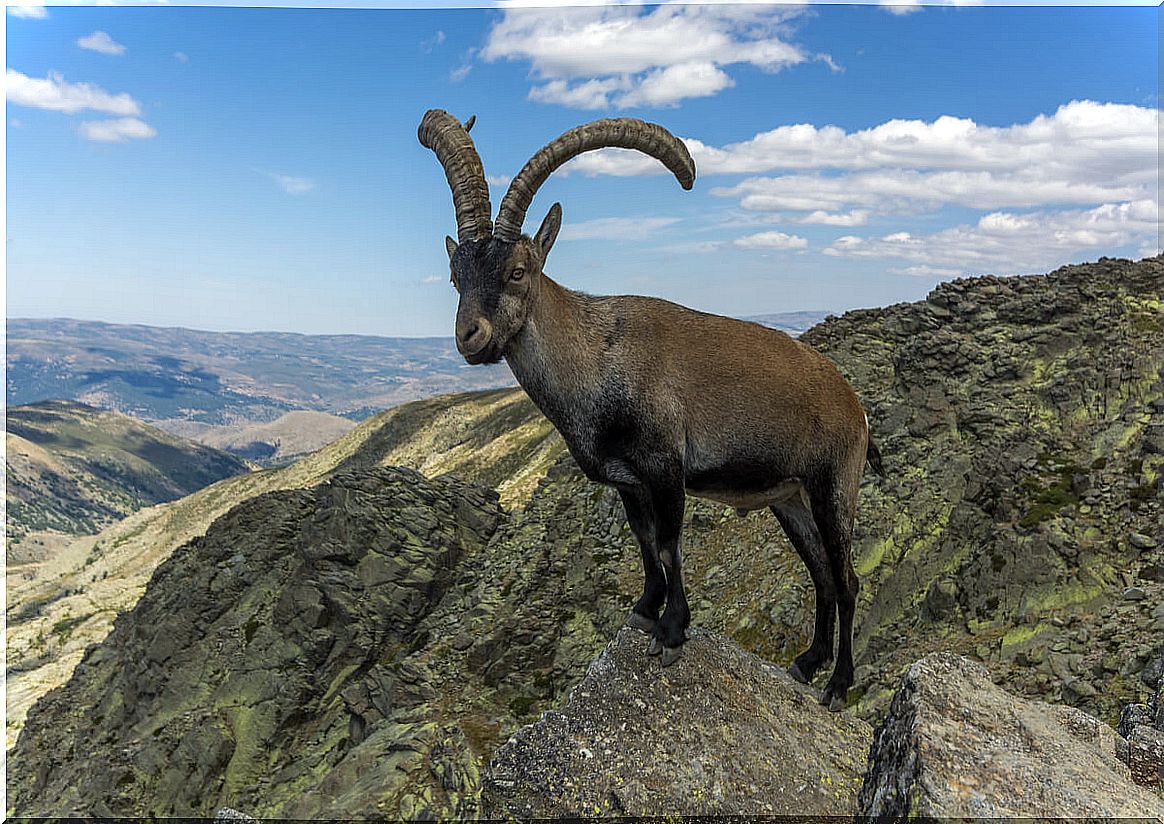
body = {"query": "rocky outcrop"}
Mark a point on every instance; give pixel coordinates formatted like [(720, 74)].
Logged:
[(723, 733), (954, 745), (267, 667), (1142, 725), (1020, 419)]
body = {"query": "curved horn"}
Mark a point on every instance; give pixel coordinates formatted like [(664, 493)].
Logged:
[(623, 132), (445, 135)]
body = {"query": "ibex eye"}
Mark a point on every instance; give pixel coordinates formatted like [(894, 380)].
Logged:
[(517, 274)]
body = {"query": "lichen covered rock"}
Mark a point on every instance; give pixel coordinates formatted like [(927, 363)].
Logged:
[(954, 745)]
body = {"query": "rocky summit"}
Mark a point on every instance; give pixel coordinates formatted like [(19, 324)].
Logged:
[(366, 645), (726, 733)]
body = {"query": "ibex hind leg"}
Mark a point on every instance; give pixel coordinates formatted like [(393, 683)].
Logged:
[(834, 512), (797, 523)]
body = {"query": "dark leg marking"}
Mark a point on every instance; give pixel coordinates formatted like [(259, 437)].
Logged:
[(642, 523), (805, 538)]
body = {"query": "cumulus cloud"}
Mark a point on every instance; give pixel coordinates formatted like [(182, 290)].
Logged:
[(56, 94), (1007, 242), (116, 131), (857, 217), (498, 180), (1091, 140), (100, 41), (616, 228), (771, 240), (623, 56)]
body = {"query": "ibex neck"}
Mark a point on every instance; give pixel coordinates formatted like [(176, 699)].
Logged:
[(553, 357)]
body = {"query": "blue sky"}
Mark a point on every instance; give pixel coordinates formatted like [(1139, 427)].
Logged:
[(258, 168)]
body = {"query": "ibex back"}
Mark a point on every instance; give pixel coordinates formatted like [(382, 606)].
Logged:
[(657, 400)]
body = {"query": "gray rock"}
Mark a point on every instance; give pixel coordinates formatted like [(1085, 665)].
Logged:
[(1135, 594), (1146, 756), (955, 745), (1141, 541), (721, 732)]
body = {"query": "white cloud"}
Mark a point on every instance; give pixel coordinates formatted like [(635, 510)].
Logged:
[(622, 56), (771, 240), (431, 279), (431, 43), (182, 57), (460, 73), (116, 131), (1005, 242), (857, 217), (498, 180), (55, 94), (34, 11), (1097, 140), (293, 185), (616, 228), (100, 41), (1083, 158)]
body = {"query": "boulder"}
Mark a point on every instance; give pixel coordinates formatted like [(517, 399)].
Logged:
[(954, 745), (721, 732)]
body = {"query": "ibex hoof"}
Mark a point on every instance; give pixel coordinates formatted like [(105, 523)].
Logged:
[(655, 646), (671, 655), (836, 704), (795, 672), (640, 622)]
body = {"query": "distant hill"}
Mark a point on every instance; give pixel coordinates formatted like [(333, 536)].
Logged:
[(73, 470), (230, 378), (794, 323), (277, 443)]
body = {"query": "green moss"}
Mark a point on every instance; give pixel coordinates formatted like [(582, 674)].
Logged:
[(1022, 634)]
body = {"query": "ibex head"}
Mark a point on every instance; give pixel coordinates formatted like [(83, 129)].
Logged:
[(497, 270)]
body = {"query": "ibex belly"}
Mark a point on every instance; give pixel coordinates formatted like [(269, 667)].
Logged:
[(785, 492)]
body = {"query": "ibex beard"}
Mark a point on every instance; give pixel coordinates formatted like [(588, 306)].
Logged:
[(657, 400)]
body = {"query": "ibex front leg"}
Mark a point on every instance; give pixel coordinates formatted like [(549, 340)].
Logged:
[(640, 516), (671, 630)]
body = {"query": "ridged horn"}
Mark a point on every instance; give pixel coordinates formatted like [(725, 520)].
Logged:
[(445, 135), (621, 132)]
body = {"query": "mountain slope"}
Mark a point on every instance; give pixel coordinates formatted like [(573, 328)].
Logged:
[(272, 443), (69, 601), (72, 470)]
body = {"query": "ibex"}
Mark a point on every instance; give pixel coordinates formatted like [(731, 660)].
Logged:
[(657, 400)]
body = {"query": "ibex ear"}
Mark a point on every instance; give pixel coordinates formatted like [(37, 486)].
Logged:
[(548, 232), (450, 246)]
